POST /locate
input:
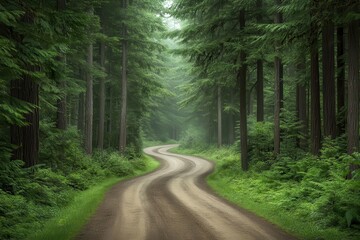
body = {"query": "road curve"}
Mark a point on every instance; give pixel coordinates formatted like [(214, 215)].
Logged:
[(173, 203)]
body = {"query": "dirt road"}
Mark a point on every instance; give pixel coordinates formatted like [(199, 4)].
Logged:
[(173, 203)]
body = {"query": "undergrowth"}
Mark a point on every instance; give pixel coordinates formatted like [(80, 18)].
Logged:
[(305, 195), (29, 197)]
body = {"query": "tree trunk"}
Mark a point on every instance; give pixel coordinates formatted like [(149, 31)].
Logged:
[(231, 130), (61, 122), (102, 99), (122, 138), (61, 5), (110, 105), (110, 118), (219, 116), (243, 114), (328, 80), (61, 103), (259, 76), (81, 114), (26, 139), (301, 106), (315, 94), (74, 111), (301, 91), (260, 91), (340, 81), (89, 102), (353, 91), (278, 89), (26, 88)]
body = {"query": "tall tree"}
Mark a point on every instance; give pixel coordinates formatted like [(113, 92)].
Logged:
[(219, 116), (123, 117), (301, 105), (259, 74), (353, 90), (102, 98), (241, 77), (61, 102), (81, 113), (315, 85), (89, 111), (340, 65), (26, 88), (328, 61), (278, 87)]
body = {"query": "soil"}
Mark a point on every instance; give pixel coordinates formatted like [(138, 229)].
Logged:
[(174, 203)]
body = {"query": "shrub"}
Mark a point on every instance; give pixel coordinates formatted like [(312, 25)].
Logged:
[(77, 180), (193, 138), (118, 165), (261, 145), (59, 149), (16, 214)]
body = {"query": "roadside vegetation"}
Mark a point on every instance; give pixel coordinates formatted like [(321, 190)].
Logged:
[(62, 143), (55, 202), (305, 195)]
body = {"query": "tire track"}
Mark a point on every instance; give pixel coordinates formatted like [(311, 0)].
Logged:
[(173, 203)]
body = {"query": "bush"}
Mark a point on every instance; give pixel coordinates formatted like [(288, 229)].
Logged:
[(261, 145), (59, 149), (118, 165), (77, 181), (313, 189), (193, 138), (15, 212)]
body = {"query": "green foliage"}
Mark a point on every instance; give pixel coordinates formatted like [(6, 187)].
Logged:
[(16, 214), (322, 202), (193, 138), (29, 197), (118, 165), (69, 141), (290, 132), (261, 145)]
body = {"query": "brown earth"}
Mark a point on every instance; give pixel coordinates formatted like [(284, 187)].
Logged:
[(173, 203)]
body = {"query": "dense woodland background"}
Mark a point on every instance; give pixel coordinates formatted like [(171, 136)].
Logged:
[(84, 83)]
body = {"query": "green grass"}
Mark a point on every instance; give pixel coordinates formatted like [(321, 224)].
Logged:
[(280, 202), (241, 193), (70, 220)]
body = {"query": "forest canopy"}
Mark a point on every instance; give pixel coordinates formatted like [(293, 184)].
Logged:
[(83, 84)]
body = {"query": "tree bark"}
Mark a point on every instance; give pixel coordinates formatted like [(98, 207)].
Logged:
[(102, 99), (353, 92), (26, 88), (340, 81), (219, 117), (89, 102), (231, 129), (61, 122), (243, 114), (81, 114), (329, 115), (315, 93), (278, 89), (123, 127), (26, 139), (259, 76), (260, 91), (301, 106)]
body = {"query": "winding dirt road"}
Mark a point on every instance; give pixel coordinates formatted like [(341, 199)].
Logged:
[(173, 203)]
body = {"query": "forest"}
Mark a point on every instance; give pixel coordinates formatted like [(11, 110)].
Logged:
[(267, 90)]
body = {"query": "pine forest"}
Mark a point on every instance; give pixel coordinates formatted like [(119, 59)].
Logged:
[(179, 119)]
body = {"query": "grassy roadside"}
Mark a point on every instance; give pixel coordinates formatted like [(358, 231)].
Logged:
[(273, 201), (69, 221)]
